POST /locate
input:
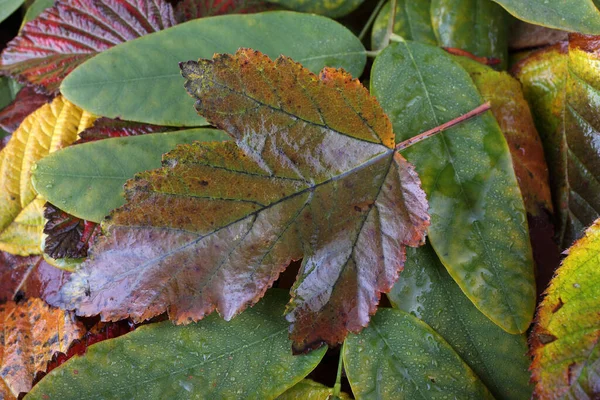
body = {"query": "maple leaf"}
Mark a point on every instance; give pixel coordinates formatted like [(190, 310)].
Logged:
[(26, 102), (314, 175), (30, 333), (48, 48)]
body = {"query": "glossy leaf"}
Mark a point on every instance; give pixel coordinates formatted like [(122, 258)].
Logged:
[(565, 339), (7, 7), (427, 291), (314, 175), (67, 236), (569, 15), (30, 333), (28, 277), (48, 48), (516, 122), (478, 220), (310, 390), (413, 22), (562, 86), (48, 129), (187, 10), (477, 26), (90, 190), (247, 358), (330, 8), (26, 101), (112, 83), (399, 357)]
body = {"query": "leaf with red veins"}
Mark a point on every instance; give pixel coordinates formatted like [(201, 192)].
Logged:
[(30, 334), (313, 175), (68, 236), (48, 48), (28, 277), (26, 102), (105, 128), (187, 10)]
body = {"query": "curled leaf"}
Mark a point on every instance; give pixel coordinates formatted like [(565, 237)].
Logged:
[(314, 175)]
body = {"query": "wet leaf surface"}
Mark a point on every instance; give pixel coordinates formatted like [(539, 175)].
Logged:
[(51, 127), (562, 86), (314, 174), (427, 291), (30, 333), (307, 389), (62, 37), (92, 189), (565, 340), (400, 357), (112, 83), (478, 219), (246, 358), (25, 103)]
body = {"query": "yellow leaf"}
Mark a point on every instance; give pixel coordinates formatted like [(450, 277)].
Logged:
[(50, 128)]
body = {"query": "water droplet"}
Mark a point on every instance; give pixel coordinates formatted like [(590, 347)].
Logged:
[(49, 186)]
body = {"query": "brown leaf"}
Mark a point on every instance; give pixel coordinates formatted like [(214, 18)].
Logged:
[(314, 175), (187, 10), (68, 236), (30, 333)]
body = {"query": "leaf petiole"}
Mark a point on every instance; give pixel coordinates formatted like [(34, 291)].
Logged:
[(337, 388), (365, 28), (432, 132)]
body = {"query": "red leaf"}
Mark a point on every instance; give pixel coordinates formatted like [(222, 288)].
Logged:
[(191, 9), (65, 35), (105, 128), (26, 102)]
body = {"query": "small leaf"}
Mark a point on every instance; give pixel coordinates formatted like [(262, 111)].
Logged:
[(7, 7), (477, 26), (92, 189), (413, 22), (307, 389), (247, 358), (399, 357), (569, 15), (25, 102), (30, 333), (330, 8), (48, 48), (478, 220), (565, 339), (187, 10), (67, 236), (562, 86), (48, 129), (314, 176), (516, 122), (427, 291), (113, 83)]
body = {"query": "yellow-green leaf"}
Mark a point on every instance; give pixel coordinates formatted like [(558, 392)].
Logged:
[(52, 127), (564, 342)]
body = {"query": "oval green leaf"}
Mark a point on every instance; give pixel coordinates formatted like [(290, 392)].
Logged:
[(427, 291), (400, 357), (569, 15), (7, 7), (330, 8), (478, 221), (140, 80), (413, 22), (247, 358), (477, 26), (87, 180)]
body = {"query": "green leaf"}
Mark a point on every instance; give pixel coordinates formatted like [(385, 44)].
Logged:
[(565, 339), (7, 7), (569, 15), (248, 358), (8, 90), (499, 359), (87, 180), (310, 390), (477, 26), (330, 8), (478, 221), (400, 357), (35, 9), (562, 85), (413, 22), (122, 82)]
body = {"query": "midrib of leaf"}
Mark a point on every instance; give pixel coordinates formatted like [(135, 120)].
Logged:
[(177, 371), (486, 251)]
